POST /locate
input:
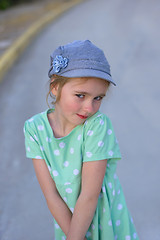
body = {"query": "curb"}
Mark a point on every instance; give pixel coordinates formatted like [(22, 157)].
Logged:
[(15, 50)]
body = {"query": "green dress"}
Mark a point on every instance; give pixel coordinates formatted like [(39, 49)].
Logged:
[(92, 141)]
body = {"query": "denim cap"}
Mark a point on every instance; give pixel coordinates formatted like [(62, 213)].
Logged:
[(80, 59)]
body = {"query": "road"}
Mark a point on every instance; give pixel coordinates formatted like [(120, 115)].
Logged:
[(128, 32)]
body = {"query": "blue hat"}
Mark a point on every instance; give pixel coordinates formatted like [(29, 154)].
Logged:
[(80, 59)]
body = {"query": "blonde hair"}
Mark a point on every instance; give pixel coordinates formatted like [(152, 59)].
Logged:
[(54, 81), (60, 81)]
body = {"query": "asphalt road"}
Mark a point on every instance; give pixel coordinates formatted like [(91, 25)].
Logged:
[(128, 32)]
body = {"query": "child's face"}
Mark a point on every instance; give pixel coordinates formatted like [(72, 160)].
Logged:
[(80, 99)]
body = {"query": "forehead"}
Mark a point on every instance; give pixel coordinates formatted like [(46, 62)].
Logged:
[(88, 81), (90, 86)]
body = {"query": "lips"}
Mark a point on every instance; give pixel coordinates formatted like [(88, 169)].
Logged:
[(82, 116)]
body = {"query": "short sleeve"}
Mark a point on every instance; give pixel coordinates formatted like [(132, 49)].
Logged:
[(31, 141), (99, 140)]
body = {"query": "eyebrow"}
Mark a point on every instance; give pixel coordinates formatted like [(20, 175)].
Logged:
[(82, 92)]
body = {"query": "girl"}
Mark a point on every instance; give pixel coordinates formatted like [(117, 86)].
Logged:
[(75, 151)]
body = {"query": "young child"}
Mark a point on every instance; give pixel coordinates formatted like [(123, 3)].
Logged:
[(75, 151)]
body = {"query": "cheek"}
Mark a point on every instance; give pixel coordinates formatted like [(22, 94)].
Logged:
[(71, 105), (74, 106), (97, 106)]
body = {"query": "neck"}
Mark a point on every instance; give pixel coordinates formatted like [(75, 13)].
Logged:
[(59, 126)]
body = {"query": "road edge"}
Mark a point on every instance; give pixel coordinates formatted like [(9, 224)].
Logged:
[(16, 49)]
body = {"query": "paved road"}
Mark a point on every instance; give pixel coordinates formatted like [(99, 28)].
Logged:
[(128, 31)]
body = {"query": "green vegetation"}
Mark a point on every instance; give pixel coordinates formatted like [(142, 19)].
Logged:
[(4, 4)]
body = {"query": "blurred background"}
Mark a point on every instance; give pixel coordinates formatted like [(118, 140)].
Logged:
[(5, 4), (128, 32)]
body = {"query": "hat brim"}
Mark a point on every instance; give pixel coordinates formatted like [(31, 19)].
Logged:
[(88, 73)]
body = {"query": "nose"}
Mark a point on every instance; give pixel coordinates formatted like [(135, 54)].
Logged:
[(89, 107)]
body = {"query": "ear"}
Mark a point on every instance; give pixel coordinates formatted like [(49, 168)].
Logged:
[(55, 90)]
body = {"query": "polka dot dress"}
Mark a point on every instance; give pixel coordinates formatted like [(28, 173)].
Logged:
[(92, 141)]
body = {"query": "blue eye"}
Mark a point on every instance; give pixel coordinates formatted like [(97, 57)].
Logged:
[(80, 95), (99, 98)]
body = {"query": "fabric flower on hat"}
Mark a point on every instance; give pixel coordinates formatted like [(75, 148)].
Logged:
[(59, 62)]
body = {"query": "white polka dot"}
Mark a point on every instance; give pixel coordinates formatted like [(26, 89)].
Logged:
[(67, 183), (79, 137), (86, 122), (76, 171), (65, 199), (115, 176), (113, 192), (88, 234), (35, 137), (55, 173), (68, 190), (110, 185), (110, 153), (42, 148), (40, 127), (56, 225), (104, 210), (118, 222), (99, 115), (101, 122), (134, 235), (72, 150), (62, 145), (116, 237), (31, 138), (49, 168), (119, 191), (28, 149), (48, 139), (63, 238), (38, 157), (100, 144), (104, 189), (90, 133), (110, 223), (119, 207), (109, 131), (131, 220), (128, 237), (31, 120), (56, 152), (89, 154), (66, 163), (72, 209), (92, 226)]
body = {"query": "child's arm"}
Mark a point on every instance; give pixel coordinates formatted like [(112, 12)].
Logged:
[(92, 179), (56, 205)]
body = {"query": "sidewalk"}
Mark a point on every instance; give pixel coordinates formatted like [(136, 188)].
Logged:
[(20, 24), (14, 21)]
